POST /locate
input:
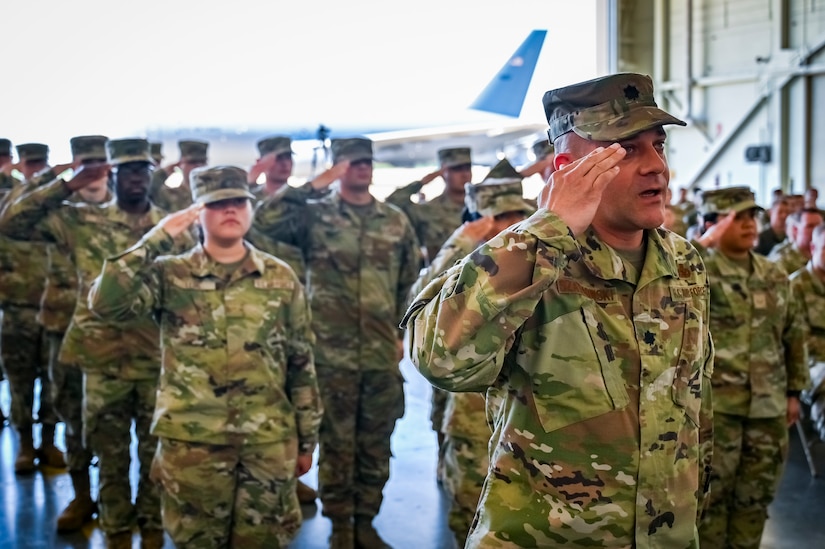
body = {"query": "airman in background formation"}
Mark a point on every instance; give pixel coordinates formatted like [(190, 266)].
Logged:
[(795, 251), (24, 347), (362, 257), (759, 371), (170, 193)]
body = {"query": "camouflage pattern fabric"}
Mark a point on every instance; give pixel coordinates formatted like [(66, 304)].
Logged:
[(787, 256), (266, 390), (600, 381), (463, 458), (25, 359), (360, 410), (743, 482), (90, 234), (434, 221), (359, 272), (169, 199), (207, 487), (809, 291), (759, 336), (111, 403), (67, 395), (120, 360)]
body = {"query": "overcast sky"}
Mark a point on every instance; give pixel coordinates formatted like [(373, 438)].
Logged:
[(126, 68)]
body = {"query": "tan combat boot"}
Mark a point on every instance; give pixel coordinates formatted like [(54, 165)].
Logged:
[(81, 509), (121, 540), (151, 538), (306, 494), (48, 453), (24, 464), (342, 534), (365, 535)]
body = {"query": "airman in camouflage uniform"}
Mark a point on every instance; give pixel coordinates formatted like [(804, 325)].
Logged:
[(24, 347), (495, 203), (434, 221), (121, 361), (6, 184), (56, 308), (794, 253), (587, 325), (193, 154), (238, 407), (362, 258), (274, 162), (808, 286), (759, 370)]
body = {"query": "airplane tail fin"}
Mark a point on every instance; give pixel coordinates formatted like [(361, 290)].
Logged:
[(506, 91)]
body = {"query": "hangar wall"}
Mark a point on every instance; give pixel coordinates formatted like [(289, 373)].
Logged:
[(742, 73)]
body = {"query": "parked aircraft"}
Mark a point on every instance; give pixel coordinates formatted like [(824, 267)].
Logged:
[(490, 141)]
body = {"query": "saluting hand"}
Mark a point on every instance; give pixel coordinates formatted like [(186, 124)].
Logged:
[(176, 223), (87, 174), (263, 164), (710, 238), (326, 177), (575, 191)]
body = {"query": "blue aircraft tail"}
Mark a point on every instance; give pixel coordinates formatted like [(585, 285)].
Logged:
[(506, 92)]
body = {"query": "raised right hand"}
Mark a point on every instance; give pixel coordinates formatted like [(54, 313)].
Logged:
[(87, 174), (178, 222), (575, 190)]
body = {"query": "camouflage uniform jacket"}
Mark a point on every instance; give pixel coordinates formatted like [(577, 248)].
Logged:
[(359, 272), (601, 384), (22, 262), (169, 199), (60, 293), (434, 221), (809, 291), (788, 257), (465, 414), (759, 334), (237, 353), (89, 234)]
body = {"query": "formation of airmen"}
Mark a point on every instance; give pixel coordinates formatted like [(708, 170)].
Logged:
[(599, 380)]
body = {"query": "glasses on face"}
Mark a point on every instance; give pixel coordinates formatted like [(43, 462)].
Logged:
[(227, 203)]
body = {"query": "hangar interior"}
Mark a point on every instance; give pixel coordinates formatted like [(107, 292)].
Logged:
[(748, 76)]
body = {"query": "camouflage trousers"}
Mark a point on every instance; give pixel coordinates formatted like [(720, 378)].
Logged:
[(360, 411), (25, 359), (109, 407), (438, 403), (228, 496), (67, 395), (465, 468), (748, 459)]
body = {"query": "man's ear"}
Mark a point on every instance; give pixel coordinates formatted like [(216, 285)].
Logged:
[(561, 160)]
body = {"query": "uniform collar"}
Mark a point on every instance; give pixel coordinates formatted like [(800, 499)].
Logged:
[(379, 208), (203, 266), (608, 265)]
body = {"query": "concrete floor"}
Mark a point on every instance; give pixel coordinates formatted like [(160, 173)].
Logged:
[(414, 512)]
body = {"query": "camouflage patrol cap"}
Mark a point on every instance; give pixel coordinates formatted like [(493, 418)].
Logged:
[(89, 147), (5, 147), (277, 144), (33, 151), (730, 199), (193, 150), (542, 148), (499, 192), (458, 156), (131, 149), (351, 148), (610, 108), (215, 183), (155, 150)]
